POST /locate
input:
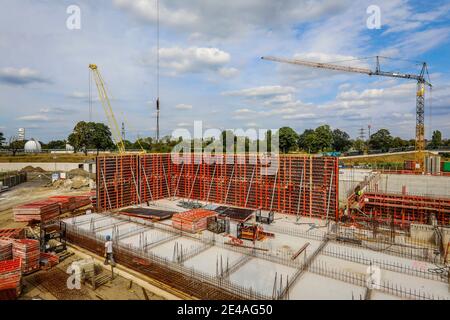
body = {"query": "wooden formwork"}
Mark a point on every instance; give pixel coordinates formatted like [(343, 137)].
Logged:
[(300, 185)]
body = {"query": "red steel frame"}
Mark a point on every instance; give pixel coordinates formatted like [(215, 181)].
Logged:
[(404, 209), (303, 185)]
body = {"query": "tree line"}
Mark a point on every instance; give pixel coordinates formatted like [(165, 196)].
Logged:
[(97, 136)]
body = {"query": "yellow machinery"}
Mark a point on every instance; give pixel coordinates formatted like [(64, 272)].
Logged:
[(103, 96)]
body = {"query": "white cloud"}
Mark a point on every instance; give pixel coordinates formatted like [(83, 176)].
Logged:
[(228, 72), (261, 92), (20, 76), (183, 106), (78, 95), (179, 60), (34, 117), (202, 19)]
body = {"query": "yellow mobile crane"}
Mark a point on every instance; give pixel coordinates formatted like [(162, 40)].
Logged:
[(420, 93), (102, 93)]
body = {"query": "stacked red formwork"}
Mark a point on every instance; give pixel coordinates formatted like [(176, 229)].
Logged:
[(28, 251), (48, 260), (63, 201), (42, 210), (70, 203), (193, 221), (5, 249), (16, 233), (80, 201), (10, 279)]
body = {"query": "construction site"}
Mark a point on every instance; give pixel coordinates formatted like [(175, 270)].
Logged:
[(233, 225), (236, 228), (228, 226)]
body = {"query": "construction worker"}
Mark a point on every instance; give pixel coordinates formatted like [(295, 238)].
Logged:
[(109, 259)]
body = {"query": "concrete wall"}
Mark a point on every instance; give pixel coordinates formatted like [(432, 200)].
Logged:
[(437, 186), (349, 179), (422, 232), (47, 166)]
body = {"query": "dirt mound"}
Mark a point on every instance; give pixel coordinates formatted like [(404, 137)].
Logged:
[(32, 169), (78, 172), (77, 182)]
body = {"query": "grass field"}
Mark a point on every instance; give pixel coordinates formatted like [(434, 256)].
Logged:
[(384, 159), (47, 157)]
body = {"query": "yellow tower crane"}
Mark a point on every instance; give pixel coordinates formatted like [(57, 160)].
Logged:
[(102, 93), (420, 92)]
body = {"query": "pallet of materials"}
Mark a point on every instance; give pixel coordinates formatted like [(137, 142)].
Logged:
[(29, 252), (10, 279), (70, 203), (5, 249), (48, 260), (42, 210), (148, 213), (16, 233), (80, 201), (193, 221), (236, 214), (63, 201)]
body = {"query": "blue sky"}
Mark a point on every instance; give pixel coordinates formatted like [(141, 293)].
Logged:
[(210, 64)]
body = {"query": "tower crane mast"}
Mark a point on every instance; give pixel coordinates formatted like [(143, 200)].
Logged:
[(103, 95), (420, 93)]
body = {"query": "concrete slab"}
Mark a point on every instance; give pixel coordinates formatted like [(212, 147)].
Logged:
[(206, 261), (260, 275), (165, 250), (312, 286), (149, 237)]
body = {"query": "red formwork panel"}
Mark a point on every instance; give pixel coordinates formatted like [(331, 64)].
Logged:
[(117, 181), (402, 210), (300, 185)]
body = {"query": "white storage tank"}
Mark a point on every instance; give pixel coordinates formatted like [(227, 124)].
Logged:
[(32, 146)]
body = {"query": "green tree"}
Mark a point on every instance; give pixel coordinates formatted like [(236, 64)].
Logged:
[(267, 141), (56, 144), (323, 138), (81, 137), (16, 145), (398, 142), (2, 139), (341, 140), (100, 136), (359, 145), (306, 140), (287, 139), (381, 140), (436, 139), (228, 139)]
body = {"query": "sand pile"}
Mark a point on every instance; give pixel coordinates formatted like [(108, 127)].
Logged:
[(77, 182), (32, 169)]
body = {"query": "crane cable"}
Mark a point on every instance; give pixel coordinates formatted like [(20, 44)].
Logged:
[(157, 71)]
